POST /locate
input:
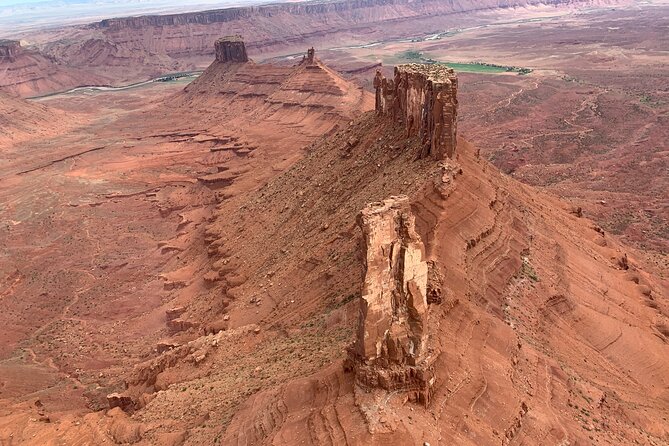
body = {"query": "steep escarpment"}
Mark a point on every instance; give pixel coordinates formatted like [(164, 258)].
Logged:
[(359, 10), (274, 28), (28, 72)]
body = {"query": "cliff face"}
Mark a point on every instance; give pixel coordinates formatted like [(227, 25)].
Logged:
[(134, 48), (28, 72), (354, 8), (391, 348), (424, 98)]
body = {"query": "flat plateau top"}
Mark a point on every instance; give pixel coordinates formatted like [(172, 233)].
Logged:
[(433, 72), (231, 39)]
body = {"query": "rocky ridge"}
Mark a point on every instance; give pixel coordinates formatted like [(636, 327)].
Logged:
[(297, 102), (490, 339)]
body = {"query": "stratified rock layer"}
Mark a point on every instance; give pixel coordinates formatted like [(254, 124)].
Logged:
[(424, 98), (231, 49), (391, 348)]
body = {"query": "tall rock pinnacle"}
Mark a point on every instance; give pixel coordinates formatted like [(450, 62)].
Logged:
[(424, 98)]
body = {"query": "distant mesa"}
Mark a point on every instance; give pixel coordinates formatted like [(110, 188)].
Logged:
[(9, 49), (231, 49), (424, 98)]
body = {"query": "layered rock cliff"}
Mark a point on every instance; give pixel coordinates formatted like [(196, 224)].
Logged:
[(353, 8), (424, 98), (28, 72)]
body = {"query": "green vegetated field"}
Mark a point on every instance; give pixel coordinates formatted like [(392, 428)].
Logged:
[(472, 67), (469, 67)]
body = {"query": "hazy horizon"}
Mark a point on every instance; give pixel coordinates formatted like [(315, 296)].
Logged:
[(17, 16)]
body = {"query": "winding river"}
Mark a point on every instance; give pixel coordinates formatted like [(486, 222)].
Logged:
[(89, 89)]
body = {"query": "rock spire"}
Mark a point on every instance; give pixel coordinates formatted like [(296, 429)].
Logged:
[(424, 98), (391, 348)]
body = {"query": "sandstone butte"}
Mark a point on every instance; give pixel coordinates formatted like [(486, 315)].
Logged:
[(389, 287)]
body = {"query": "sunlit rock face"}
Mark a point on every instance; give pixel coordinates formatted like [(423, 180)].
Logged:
[(391, 348)]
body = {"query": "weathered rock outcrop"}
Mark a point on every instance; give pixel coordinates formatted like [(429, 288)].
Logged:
[(9, 49), (391, 349), (231, 49), (424, 98), (125, 402)]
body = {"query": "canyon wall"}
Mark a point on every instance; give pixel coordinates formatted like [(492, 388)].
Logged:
[(272, 30), (424, 98), (25, 71), (359, 10), (231, 49), (391, 348)]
